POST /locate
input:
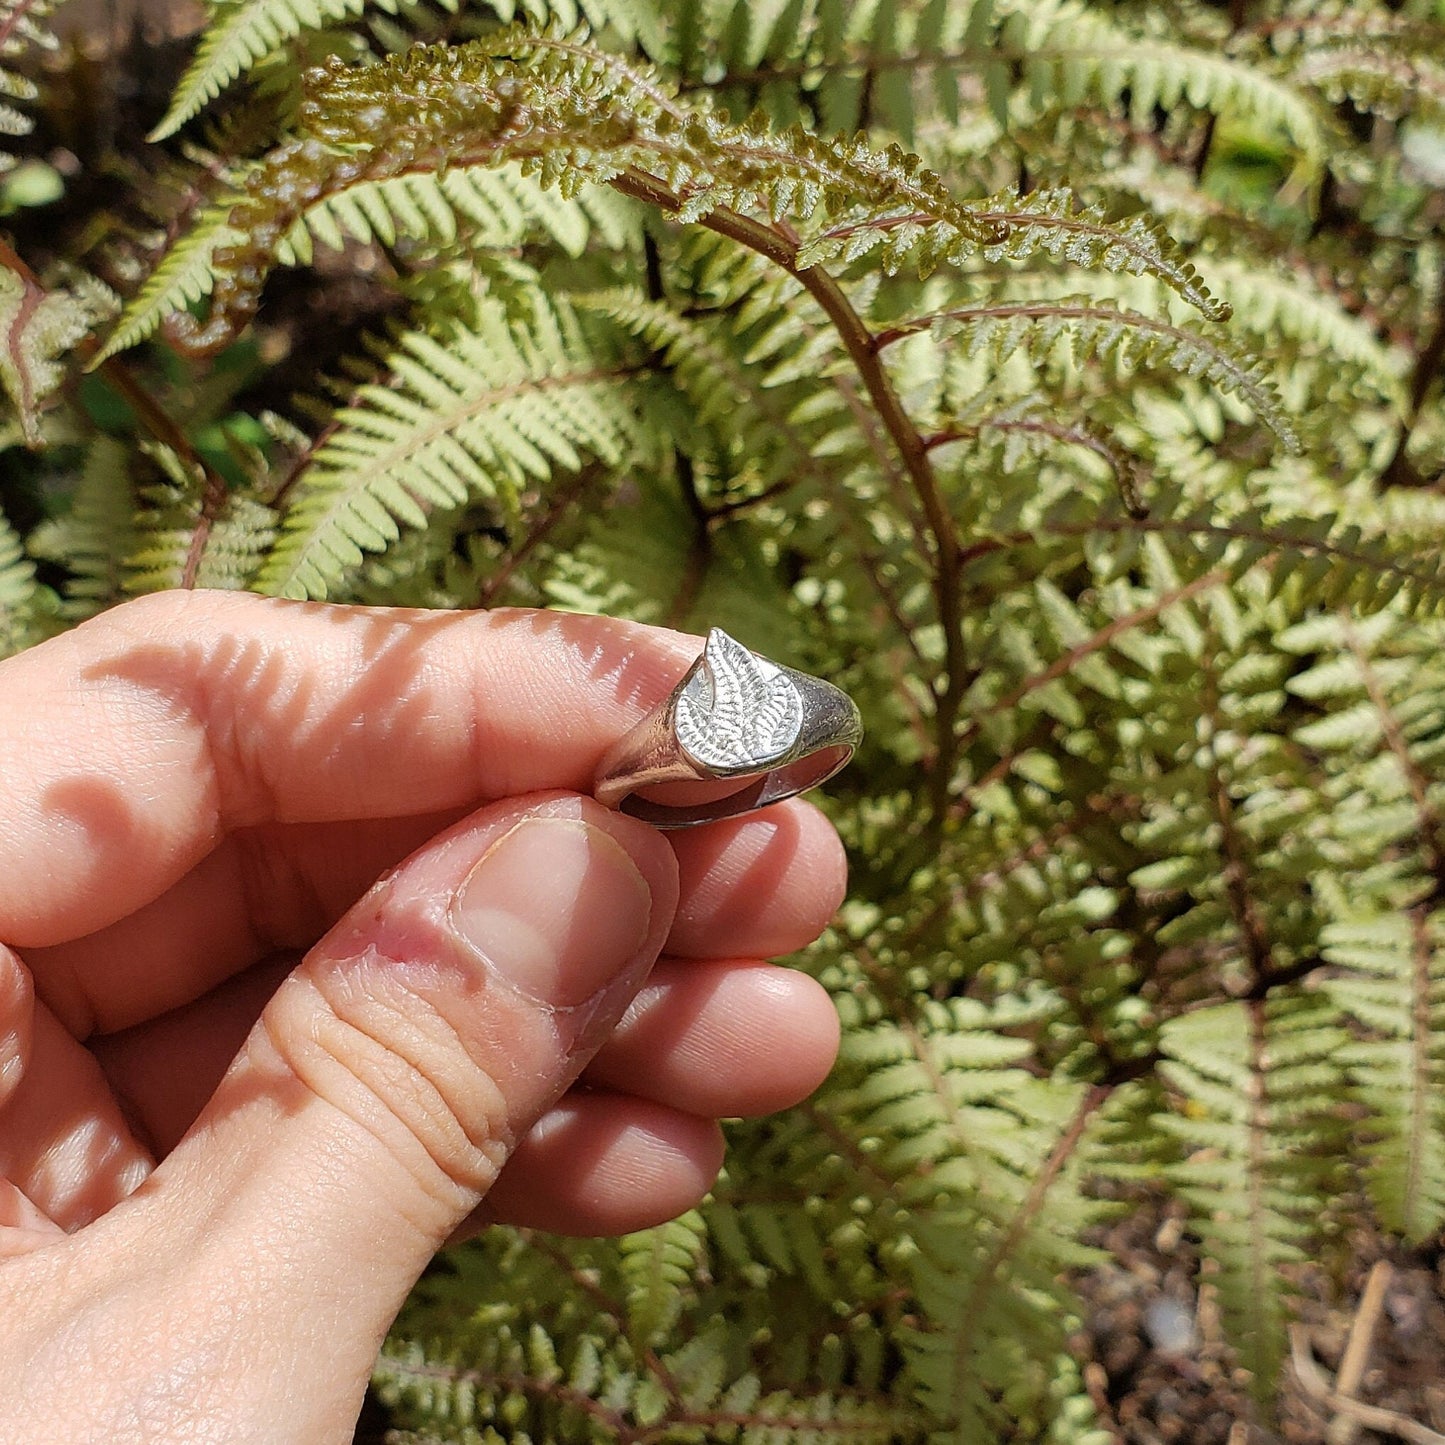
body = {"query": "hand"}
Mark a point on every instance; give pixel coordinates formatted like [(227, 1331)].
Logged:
[(222, 1170)]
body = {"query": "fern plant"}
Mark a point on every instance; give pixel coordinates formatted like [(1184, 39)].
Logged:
[(1063, 379)]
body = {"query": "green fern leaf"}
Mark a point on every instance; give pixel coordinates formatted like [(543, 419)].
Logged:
[(96, 536), (185, 275), (1394, 986), (1259, 1081), (1125, 338), (477, 411), (243, 32), (23, 602)]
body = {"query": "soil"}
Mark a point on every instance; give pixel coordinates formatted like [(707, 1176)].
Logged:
[(1160, 1372)]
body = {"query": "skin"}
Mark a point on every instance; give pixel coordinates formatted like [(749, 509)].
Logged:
[(260, 1057)]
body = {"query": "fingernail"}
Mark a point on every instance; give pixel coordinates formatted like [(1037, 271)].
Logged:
[(556, 907)]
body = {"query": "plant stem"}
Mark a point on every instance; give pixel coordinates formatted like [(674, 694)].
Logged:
[(782, 250)]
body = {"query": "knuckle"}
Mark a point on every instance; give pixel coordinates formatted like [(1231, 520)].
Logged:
[(391, 1062)]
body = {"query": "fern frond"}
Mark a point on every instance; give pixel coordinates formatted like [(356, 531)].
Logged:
[(661, 1267), (243, 32), (1082, 54), (590, 117), (1124, 338), (22, 28), (95, 538), (492, 207), (187, 535), (1269, 302), (1051, 221), (22, 600), (500, 208), (476, 411), (1394, 987), (39, 326), (185, 275), (1390, 82), (1258, 1083)]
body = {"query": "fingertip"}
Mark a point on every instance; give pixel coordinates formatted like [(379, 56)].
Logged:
[(604, 1164), (723, 1039)]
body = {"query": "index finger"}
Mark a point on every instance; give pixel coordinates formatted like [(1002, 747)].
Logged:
[(131, 745)]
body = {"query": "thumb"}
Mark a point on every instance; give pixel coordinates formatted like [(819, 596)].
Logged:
[(388, 1079)]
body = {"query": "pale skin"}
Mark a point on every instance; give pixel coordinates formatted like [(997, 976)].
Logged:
[(247, 1091)]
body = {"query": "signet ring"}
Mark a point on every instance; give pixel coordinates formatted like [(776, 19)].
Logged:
[(734, 715)]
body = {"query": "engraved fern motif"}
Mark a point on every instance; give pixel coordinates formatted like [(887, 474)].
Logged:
[(739, 710)]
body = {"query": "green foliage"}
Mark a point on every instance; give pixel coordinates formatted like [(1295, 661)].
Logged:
[(1061, 378)]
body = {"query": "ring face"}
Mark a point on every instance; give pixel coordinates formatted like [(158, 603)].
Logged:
[(734, 716), (737, 712)]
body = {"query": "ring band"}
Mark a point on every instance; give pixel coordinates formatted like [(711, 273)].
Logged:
[(734, 715)]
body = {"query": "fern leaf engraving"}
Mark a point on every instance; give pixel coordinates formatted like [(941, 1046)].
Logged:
[(739, 711)]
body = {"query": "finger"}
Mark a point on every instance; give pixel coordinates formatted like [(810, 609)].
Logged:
[(143, 736), (23, 1227), (167, 1068), (17, 1013), (721, 1040), (716, 1039), (66, 1152), (754, 886), (391, 1075), (260, 891), (64, 1142), (604, 1164), (759, 890)]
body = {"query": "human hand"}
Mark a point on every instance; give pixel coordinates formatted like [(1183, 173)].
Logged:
[(201, 788)]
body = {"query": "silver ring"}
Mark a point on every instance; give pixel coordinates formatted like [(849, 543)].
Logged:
[(733, 715)]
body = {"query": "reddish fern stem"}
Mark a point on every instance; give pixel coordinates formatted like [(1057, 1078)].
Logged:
[(1067, 661), (772, 243), (12, 18), (32, 294)]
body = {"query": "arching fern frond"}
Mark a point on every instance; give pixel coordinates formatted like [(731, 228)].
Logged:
[(569, 114), (1048, 221)]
